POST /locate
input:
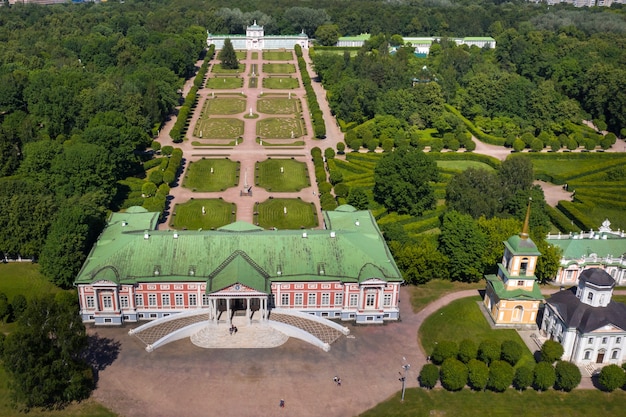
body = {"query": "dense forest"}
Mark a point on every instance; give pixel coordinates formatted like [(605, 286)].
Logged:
[(84, 87)]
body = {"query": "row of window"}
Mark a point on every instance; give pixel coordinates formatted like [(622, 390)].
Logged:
[(370, 298), (614, 355), (605, 340)]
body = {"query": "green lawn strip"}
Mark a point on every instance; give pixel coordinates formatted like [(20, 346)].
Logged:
[(419, 402), (275, 105), (199, 177), (217, 69), (279, 128), (221, 105), (619, 298), (271, 213), (241, 55), (189, 215), (224, 83), (253, 82), (277, 55), (463, 165), (280, 83), (293, 178), (283, 142), (279, 68), (218, 128), (422, 295), (462, 319), (210, 142)]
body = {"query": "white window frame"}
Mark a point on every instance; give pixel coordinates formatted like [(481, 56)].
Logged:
[(325, 298), (312, 299), (179, 299), (193, 300), (284, 299), (354, 300), (339, 299), (124, 303), (387, 300), (152, 300), (298, 299), (139, 300), (205, 300), (107, 302), (370, 299), (90, 302), (165, 299)]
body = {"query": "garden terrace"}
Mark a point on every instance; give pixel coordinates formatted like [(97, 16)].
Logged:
[(282, 175), (224, 105), (278, 55), (218, 69), (190, 215), (278, 83), (280, 128), (278, 105), (218, 128), (224, 83), (285, 213), (279, 68)]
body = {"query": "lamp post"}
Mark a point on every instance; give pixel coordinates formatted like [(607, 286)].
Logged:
[(402, 378)]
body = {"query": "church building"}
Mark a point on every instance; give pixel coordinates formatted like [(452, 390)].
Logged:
[(513, 297), (135, 272), (590, 326)]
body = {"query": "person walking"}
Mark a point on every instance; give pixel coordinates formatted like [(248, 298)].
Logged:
[(281, 404)]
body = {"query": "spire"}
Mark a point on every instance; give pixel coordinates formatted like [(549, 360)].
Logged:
[(525, 228)]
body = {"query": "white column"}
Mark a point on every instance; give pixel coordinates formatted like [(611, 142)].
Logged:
[(361, 302), (248, 311), (228, 310)]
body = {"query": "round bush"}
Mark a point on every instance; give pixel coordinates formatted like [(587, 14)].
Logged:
[(489, 351), (567, 376), (500, 376), (329, 153), (453, 374), (444, 350), (544, 376), (511, 351), (342, 190), (611, 377), (551, 351), (478, 374), (341, 147), (467, 350), (335, 176), (429, 375), (325, 187), (523, 378)]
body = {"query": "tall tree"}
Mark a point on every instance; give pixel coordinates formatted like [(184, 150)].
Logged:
[(403, 181), (462, 241), (42, 355), (228, 56), (475, 192)]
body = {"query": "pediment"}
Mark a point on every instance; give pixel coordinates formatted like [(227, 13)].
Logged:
[(236, 289), (609, 328)]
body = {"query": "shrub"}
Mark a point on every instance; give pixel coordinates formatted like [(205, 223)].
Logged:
[(467, 350), (167, 150), (511, 351), (551, 351), (341, 147), (149, 189), (544, 376), (18, 304), (316, 152), (611, 377), (444, 350), (155, 145), (169, 177), (489, 351), (567, 376), (429, 375), (518, 145), (325, 187), (329, 153), (500, 376), (478, 374), (523, 378), (342, 190), (156, 177), (453, 374)]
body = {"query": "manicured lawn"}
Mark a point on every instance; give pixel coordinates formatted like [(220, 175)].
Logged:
[(279, 68), (462, 319), (200, 178), (422, 295), (241, 55), (24, 278), (280, 83), (271, 213), (276, 105), (217, 69), (279, 128), (218, 128), (419, 402), (221, 105), (293, 178), (619, 298), (253, 82), (189, 215), (224, 83), (255, 55), (277, 55)]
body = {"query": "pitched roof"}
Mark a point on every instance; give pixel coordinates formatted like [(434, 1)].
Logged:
[(134, 253), (579, 248), (520, 246), (597, 277), (516, 294), (584, 317)]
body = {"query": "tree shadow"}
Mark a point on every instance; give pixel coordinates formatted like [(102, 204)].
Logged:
[(100, 353)]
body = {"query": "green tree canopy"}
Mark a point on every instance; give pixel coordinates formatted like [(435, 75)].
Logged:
[(567, 376), (462, 241), (403, 181), (228, 56)]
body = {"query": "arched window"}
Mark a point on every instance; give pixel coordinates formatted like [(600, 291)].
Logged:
[(523, 266), (615, 354), (518, 313), (587, 355)]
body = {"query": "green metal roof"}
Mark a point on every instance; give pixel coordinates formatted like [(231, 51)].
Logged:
[(579, 248), (134, 253), (519, 246), (517, 294), (361, 37)]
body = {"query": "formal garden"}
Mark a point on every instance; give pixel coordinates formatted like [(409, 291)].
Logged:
[(285, 213), (224, 83), (280, 128), (282, 175), (280, 83), (219, 69), (277, 55), (210, 175), (218, 128), (278, 105), (224, 105), (203, 214)]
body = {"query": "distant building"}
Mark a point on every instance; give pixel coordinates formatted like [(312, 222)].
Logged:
[(583, 3), (256, 39), (590, 326), (604, 249), (512, 297), (135, 272), (421, 44)]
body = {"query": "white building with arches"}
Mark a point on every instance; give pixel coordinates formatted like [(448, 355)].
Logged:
[(590, 326)]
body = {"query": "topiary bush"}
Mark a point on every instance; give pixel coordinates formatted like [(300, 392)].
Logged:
[(500, 376), (523, 378), (544, 376), (453, 374), (444, 350), (489, 351), (467, 350), (511, 351), (429, 375), (478, 374), (611, 377), (551, 351), (567, 376)]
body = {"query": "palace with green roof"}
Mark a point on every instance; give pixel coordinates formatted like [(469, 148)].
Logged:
[(135, 272), (512, 297), (256, 39)]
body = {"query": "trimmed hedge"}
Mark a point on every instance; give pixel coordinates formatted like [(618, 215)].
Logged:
[(482, 136), (319, 127), (580, 219), (560, 220)]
